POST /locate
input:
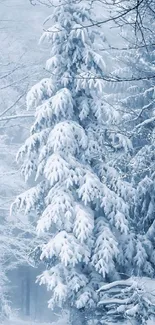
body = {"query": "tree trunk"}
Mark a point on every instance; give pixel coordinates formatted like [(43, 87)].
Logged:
[(22, 296), (27, 302), (36, 302), (77, 317)]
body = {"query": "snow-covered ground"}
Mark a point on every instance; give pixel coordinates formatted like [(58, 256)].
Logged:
[(22, 322), (17, 321), (63, 321)]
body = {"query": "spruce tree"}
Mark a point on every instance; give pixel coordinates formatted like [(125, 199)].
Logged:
[(77, 196)]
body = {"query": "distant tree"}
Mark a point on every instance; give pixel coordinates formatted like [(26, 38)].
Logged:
[(136, 99)]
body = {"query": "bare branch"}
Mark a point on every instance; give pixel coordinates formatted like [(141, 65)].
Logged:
[(13, 117), (13, 105), (13, 83)]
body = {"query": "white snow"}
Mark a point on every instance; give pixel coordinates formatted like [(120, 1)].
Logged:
[(16, 321)]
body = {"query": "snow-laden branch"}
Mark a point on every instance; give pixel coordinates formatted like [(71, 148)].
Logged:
[(122, 283), (106, 302), (149, 120), (133, 299)]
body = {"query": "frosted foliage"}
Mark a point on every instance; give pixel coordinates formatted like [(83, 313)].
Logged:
[(143, 162), (29, 199), (144, 219), (53, 280), (59, 296), (58, 169), (67, 248), (90, 189), (141, 255), (124, 189), (116, 210), (105, 249), (84, 223), (32, 144), (60, 212), (77, 281), (39, 92), (118, 141), (84, 108), (53, 35), (50, 277), (59, 105), (102, 110), (130, 249), (88, 82), (106, 112), (67, 137), (83, 299), (83, 216)]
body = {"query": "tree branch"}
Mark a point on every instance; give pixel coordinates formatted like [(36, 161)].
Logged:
[(122, 283), (13, 117), (9, 108), (114, 301)]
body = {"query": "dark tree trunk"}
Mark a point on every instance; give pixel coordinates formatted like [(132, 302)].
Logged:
[(36, 301), (27, 287), (22, 295), (77, 316)]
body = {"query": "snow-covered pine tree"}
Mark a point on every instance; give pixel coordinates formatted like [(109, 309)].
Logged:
[(67, 157)]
